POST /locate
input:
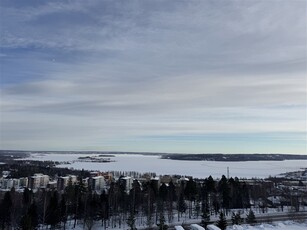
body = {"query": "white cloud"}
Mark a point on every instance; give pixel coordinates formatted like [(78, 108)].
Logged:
[(141, 69)]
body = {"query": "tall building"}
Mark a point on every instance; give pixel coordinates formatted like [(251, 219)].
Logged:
[(23, 181), (38, 180), (63, 181), (97, 183), (127, 183)]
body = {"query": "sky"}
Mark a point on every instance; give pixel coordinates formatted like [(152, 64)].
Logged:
[(200, 76)]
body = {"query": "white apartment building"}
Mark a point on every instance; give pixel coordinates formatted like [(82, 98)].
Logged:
[(10, 183), (97, 183), (127, 182), (63, 181), (38, 180)]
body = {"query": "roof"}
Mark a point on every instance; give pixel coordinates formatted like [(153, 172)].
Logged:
[(196, 226), (212, 227)]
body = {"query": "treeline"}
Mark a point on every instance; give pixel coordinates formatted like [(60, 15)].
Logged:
[(23, 168), (146, 203), (234, 157), (9, 155)]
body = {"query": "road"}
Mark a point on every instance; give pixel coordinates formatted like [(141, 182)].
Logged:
[(270, 217)]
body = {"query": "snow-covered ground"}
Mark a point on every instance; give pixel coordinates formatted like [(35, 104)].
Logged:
[(199, 169), (286, 225)]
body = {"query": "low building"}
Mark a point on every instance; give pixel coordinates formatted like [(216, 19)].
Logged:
[(10, 183)]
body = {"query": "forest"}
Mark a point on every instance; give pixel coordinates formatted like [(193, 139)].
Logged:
[(146, 203)]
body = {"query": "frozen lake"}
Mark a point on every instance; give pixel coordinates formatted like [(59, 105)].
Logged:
[(198, 169)]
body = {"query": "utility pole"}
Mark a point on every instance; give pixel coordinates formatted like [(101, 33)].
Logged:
[(227, 172)]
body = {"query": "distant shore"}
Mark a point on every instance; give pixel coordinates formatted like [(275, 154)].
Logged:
[(228, 157), (234, 157)]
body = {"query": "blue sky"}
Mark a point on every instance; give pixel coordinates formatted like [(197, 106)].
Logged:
[(155, 76)]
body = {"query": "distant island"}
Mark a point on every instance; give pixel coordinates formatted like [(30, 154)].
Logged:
[(102, 158), (234, 157)]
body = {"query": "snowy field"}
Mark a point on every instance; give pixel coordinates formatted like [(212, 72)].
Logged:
[(198, 169)]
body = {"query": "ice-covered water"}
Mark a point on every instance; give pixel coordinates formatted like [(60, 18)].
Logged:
[(199, 169)]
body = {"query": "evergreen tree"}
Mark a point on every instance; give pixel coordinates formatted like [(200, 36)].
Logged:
[(205, 217), (233, 218), (104, 208), (63, 211), (52, 211), (26, 197), (235, 193), (224, 190), (204, 195), (30, 220), (149, 205), (131, 221), (91, 210), (170, 199), (190, 189), (172, 192), (16, 211), (197, 208), (216, 205), (78, 205), (149, 220), (5, 210), (163, 192), (222, 223), (245, 196), (70, 197), (251, 218), (236, 218), (182, 207), (190, 192), (162, 225), (210, 184)]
